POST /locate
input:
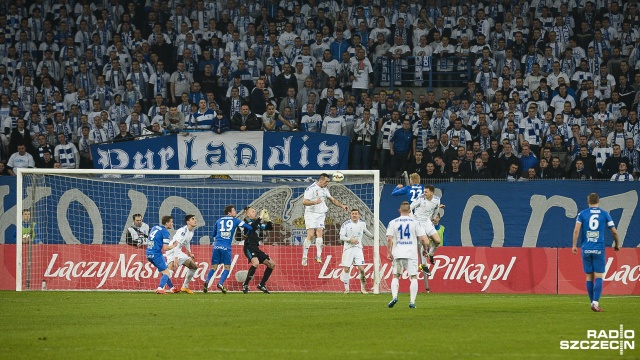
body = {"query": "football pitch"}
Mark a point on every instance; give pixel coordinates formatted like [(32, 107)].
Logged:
[(125, 325)]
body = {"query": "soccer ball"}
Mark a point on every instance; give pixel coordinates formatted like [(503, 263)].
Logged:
[(338, 176)]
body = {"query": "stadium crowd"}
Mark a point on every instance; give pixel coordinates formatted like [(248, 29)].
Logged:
[(551, 87)]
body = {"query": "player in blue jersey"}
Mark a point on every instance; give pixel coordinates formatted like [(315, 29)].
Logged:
[(590, 226), (413, 191), (158, 238), (223, 232)]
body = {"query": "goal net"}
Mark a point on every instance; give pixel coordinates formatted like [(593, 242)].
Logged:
[(74, 236)]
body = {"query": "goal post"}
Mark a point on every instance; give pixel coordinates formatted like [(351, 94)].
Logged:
[(75, 238)]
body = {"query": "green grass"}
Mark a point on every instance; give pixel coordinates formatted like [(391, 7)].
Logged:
[(120, 325)]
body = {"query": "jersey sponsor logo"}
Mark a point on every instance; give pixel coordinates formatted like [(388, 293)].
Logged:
[(593, 234), (597, 252), (217, 247)]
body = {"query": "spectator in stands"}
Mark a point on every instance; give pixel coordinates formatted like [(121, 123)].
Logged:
[(20, 159), (612, 163), (622, 174), (245, 120)]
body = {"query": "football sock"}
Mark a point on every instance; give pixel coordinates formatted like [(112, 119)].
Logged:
[(590, 289), (319, 247), (433, 247), (265, 277), (224, 276), (169, 279), (210, 275), (345, 279), (190, 275), (413, 290), (395, 285), (363, 279), (163, 281), (250, 273), (305, 247), (597, 289)]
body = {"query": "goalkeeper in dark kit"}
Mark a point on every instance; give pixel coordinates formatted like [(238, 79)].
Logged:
[(252, 248)]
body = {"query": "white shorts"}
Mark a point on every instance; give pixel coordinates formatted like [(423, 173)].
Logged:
[(429, 228), (411, 265), (352, 256), (314, 220), (182, 257)]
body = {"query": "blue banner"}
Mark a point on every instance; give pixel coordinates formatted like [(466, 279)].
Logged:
[(232, 150), (305, 151), (525, 214), (159, 153)]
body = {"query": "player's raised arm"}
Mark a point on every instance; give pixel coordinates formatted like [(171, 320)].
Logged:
[(400, 190), (338, 203)]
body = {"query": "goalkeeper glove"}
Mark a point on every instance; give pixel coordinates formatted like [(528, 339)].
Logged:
[(264, 215)]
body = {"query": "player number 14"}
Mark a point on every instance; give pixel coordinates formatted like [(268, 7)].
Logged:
[(403, 231)]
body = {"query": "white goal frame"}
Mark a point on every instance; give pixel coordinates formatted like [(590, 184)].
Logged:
[(21, 172)]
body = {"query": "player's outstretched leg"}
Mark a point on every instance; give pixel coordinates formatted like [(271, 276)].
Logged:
[(319, 250), (250, 274), (345, 279), (305, 250), (270, 264), (205, 289), (597, 291), (171, 287), (363, 281), (223, 278), (395, 286), (163, 282), (413, 292)]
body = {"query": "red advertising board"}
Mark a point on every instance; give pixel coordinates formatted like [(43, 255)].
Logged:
[(456, 270), (621, 277)]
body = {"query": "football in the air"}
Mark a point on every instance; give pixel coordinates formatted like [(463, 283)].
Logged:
[(338, 176)]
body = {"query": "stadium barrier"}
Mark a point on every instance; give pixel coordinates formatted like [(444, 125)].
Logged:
[(456, 270)]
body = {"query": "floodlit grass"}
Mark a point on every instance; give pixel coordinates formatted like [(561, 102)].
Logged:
[(122, 325)]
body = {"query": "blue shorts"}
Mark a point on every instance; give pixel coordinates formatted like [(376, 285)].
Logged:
[(593, 261), (158, 261), (221, 256)]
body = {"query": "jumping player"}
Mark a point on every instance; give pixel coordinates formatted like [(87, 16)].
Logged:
[(425, 209), (315, 212), (413, 191)]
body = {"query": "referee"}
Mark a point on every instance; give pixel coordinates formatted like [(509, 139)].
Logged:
[(252, 248)]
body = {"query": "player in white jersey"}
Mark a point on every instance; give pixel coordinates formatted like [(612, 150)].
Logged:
[(315, 210), (425, 209), (403, 234), (351, 233), (176, 257)]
